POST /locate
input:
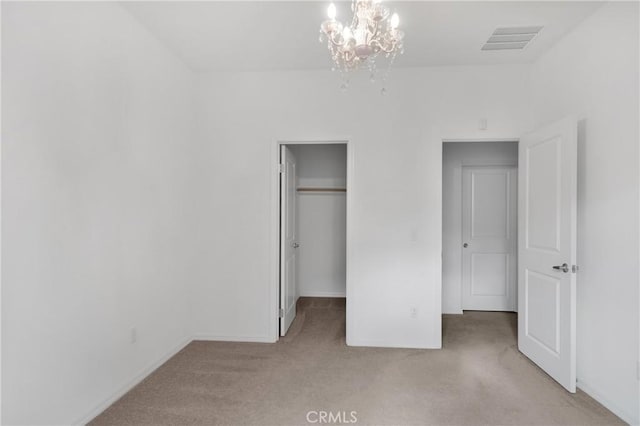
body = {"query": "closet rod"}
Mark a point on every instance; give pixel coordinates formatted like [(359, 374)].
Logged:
[(322, 189)]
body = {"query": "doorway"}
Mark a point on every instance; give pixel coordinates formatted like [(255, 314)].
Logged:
[(313, 224), (479, 226), (546, 232)]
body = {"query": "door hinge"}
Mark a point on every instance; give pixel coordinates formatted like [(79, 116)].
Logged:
[(281, 313), (280, 168), (574, 268)]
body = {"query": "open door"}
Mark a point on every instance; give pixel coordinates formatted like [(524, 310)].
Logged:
[(288, 242), (547, 249)]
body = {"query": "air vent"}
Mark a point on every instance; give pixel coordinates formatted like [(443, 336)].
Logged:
[(511, 38)]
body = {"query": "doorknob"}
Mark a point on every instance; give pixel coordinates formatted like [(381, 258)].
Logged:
[(295, 245), (564, 268), (465, 245)]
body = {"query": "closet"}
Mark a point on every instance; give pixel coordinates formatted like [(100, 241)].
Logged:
[(313, 224)]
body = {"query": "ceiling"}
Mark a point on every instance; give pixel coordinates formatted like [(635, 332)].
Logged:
[(270, 35)]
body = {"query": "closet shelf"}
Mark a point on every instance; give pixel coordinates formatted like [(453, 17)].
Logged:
[(322, 189)]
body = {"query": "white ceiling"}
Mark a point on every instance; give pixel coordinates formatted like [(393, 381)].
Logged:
[(270, 35)]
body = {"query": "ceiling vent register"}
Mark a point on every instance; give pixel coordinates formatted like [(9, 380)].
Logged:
[(511, 38)]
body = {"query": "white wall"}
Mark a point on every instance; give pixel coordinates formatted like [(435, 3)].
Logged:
[(593, 72), (96, 152), (455, 156), (321, 220), (112, 218), (395, 251)]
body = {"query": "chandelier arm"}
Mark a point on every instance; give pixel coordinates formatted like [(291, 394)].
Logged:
[(334, 42), (389, 49), (349, 56), (374, 34)]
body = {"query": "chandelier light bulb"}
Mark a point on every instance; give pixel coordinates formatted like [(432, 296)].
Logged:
[(347, 34), (331, 11), (395, 21)]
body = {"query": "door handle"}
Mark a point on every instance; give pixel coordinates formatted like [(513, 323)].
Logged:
[(465, 245), (295, 245), (564, 268)]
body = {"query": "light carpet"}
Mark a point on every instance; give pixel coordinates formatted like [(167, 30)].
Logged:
[(478, 378)]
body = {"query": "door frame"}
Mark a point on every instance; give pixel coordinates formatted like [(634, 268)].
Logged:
[(479, 164), (274, 237)]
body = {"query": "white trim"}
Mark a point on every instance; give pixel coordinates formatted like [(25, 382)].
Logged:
[(608, 404), (1, 292), (223, 338), (488, 163), (367, 343), (274, 244), (454, 140), (130, 384), (324, 294)]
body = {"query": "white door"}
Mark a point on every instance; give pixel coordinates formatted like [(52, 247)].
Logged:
[(288, 241), (547, 250), (489, 235)]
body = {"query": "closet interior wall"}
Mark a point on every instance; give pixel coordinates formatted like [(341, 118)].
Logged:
[(321, 219)]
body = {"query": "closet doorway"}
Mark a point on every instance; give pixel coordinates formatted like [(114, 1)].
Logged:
[(312, 227)]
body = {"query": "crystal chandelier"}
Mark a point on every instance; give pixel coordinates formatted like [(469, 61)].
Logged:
[(372, 32)]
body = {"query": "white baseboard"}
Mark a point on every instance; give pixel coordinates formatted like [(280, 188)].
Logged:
[(126, 387), (385, 344), (610, 405), (221, 338), (324, 294)]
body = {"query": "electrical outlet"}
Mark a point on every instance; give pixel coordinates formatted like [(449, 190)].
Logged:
[(134, 335), (413, 312)]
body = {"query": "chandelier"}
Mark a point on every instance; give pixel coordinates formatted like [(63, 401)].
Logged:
[(371, 33)]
